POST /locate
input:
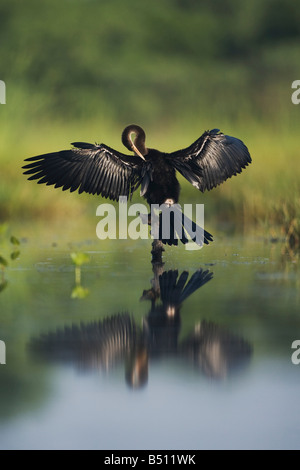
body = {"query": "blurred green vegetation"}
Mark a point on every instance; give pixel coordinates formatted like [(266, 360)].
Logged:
[(83, 69)]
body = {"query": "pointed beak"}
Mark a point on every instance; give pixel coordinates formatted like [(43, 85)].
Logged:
[(136, 150)]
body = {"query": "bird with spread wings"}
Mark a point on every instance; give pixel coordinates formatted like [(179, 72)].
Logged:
[(99, 169)]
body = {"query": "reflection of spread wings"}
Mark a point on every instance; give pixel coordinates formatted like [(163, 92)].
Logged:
[(96, 345), (216, 351), (102, 344)]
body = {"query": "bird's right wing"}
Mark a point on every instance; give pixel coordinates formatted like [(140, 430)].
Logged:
[(94, 169), (98, 344)]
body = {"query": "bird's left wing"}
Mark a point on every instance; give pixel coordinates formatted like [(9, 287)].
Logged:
[(94, 169), (211, 160)]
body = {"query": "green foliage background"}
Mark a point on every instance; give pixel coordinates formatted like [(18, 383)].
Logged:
[(83, 69)]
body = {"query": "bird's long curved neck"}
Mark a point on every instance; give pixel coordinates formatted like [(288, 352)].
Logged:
[(138, 144)]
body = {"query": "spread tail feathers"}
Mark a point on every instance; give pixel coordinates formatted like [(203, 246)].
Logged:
[(173, 225)]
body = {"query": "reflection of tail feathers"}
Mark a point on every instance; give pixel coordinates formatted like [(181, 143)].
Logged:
[(174, 226), (215, 350), (170, 289), (173, 292), (198, 279), (95, 344)]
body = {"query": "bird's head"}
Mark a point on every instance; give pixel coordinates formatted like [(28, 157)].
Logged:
[(133, 137)]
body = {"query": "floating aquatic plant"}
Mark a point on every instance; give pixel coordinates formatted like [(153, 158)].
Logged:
[(79, 292)]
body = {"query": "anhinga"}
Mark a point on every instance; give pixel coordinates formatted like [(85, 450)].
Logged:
[(99, 169)]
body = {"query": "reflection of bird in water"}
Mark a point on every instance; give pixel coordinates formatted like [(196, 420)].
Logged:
[(163, 322), (103, 344), (99, 169)]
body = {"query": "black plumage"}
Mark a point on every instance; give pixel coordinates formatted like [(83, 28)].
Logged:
[(94, 169), (99, 169)]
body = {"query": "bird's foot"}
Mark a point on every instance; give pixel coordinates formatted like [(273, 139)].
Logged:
[(169, 202)]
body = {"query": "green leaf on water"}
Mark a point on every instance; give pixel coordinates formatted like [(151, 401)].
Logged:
[(14, 240), (80, 258), (3, 261), (14, 255), (79, 292)]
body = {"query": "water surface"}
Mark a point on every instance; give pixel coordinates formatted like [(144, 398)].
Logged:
[(194, 353)]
